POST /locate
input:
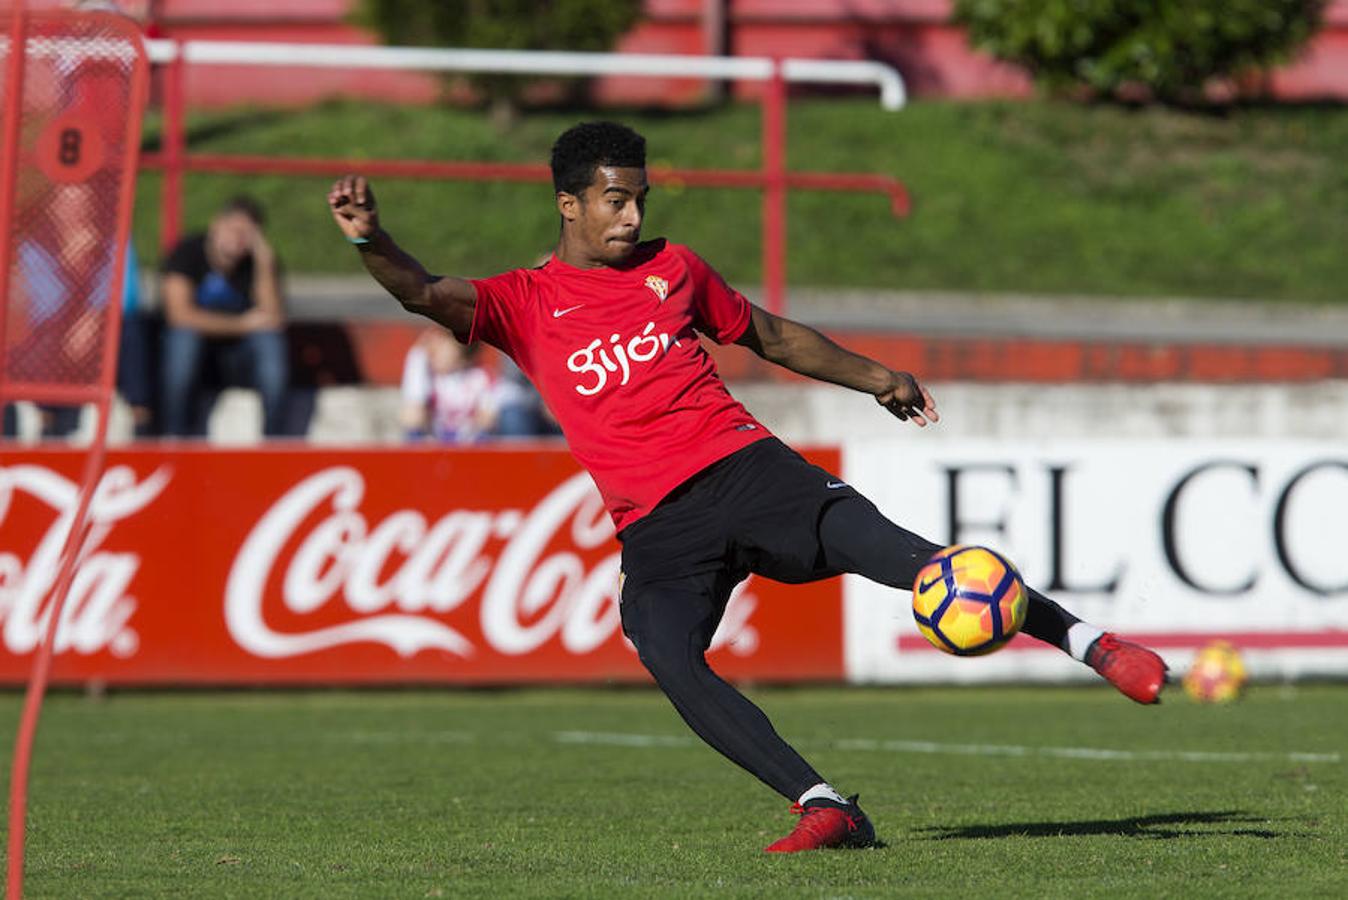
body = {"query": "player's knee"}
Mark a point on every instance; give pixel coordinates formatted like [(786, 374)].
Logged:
[(659, 658), (670, 662)]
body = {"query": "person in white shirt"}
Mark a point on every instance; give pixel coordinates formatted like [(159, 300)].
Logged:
[(446, 395)]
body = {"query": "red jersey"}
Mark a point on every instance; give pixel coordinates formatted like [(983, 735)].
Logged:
[(615, 354)]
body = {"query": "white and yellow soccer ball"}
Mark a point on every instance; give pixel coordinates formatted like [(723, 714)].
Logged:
[(1218, 674), (969, 600)]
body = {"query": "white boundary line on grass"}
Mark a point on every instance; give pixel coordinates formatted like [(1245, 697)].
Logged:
[(616, 739)]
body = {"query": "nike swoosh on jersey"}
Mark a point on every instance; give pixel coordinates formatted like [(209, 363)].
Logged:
[(834, 485), (558, 313)]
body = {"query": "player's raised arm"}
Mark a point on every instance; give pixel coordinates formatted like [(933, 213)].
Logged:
[(448, 301), (802, 349)]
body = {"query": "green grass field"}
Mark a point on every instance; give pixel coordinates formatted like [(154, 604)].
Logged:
[(1038, 196), (603, 793)]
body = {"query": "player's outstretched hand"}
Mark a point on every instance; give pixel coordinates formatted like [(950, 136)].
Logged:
[(908, 400), (351, 200)]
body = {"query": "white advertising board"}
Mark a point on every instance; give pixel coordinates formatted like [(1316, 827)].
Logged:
[(1174, 542)]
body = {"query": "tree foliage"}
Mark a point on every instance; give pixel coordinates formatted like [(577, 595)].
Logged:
[(1174, 50)]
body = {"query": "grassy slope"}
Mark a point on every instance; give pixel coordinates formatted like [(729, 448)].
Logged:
[(1041, 197), (471, 794)]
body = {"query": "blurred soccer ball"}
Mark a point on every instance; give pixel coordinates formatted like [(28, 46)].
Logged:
[(968, 600), (1217, 675)]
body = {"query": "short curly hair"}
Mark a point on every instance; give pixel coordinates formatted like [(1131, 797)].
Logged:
[(585, 147)]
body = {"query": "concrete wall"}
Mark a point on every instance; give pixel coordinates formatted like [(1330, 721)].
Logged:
[(827, 414), (824, 414)]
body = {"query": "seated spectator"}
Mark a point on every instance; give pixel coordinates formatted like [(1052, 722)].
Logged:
[(446, 395), (222, 308)]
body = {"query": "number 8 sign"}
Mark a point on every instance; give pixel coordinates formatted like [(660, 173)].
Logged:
[(70, 149)]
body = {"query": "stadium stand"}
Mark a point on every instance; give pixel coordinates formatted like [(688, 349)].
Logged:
[(1237, 367)]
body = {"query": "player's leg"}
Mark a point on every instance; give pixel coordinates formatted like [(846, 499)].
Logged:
[(671, 623), (679, 562), (855, 537), (798, 522)]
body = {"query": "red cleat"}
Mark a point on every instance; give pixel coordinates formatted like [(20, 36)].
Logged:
[(826, 823), (1136, 671)]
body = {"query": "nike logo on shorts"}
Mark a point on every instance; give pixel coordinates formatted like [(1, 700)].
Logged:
[(558, 313), (834, 485)]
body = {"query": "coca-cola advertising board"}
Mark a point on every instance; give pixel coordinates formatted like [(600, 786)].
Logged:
[(400, 565)]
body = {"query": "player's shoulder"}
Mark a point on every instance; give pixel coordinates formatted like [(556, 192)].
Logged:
[(687, 254), (514, 289), (645, 255), (517, 277), (678, 251), (690, 261)]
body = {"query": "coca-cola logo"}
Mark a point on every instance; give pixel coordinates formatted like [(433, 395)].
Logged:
[(98, 607), (398, 581)]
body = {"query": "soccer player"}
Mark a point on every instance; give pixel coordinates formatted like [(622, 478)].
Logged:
[(701, 493)]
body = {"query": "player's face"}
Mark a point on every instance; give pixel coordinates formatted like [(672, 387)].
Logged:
[(605, 220)]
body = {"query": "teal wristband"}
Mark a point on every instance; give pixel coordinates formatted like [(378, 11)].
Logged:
[(359, 240)]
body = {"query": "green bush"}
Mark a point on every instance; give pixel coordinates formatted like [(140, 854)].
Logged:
[(1172, 50), (577, 25)]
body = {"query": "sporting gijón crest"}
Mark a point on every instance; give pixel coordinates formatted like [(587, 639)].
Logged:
[(658, 285)]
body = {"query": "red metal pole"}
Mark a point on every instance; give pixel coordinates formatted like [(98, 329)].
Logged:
[(714, 42), (714, 27), (9, 162), (174, 142), (774, 191), (37, 678), (18, 51), (756, 179)]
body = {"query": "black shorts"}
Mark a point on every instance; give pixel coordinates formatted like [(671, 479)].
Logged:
[(757, 510)]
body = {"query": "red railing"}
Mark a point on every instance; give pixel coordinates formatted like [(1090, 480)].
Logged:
[(773, 178)]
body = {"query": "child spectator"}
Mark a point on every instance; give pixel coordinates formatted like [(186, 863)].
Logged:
[(446, 395)]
